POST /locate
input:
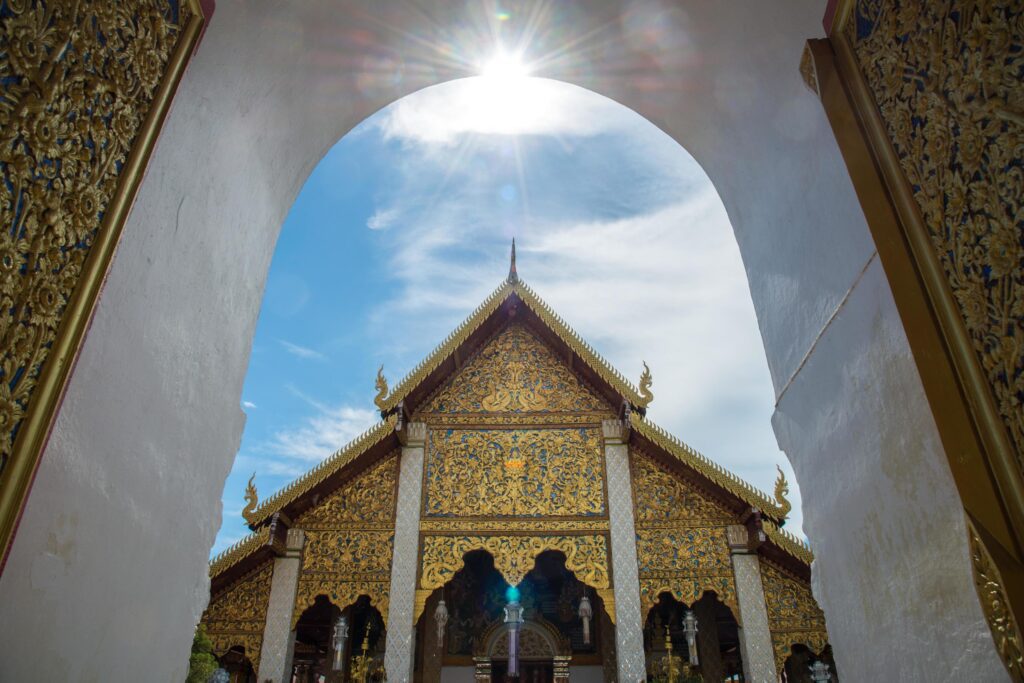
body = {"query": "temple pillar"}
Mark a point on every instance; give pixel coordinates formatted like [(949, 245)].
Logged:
[(629, 633), (756, 641), (278, 637), (398, 652)]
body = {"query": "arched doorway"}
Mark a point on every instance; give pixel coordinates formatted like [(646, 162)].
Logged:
[(719, 78), (799, 666), (555, 643), (716, 642), (238, 666), (315, 654)]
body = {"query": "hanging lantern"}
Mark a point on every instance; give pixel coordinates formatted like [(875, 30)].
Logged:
[(586, 613), (514, 619), (819, 672), (690, 629), (340, 638), (441, 617)]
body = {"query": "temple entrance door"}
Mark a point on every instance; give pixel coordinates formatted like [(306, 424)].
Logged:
[(530, 671)]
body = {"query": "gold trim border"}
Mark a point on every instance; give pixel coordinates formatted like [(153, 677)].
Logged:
[(33, 434)]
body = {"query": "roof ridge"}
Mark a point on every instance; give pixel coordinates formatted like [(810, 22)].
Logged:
[(788, 541), (548, 316), (238, 550), (324, 469), (709, 468)]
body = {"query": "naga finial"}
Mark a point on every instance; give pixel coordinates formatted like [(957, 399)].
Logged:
[(382, 388), (251, 499), (781, 489), (646, 380)]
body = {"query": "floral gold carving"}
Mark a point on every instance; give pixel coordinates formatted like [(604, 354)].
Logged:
[(514, 472), (585, 555), (682, 540), (79, 82), (515, 373), (236, 615), (947, 81), (539, 525), (996, 607), (793, 614), (350, 541)]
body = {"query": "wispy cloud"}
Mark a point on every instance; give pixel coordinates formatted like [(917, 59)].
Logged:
[(321, 434), (248, 404), (301, 351), (382, 219)]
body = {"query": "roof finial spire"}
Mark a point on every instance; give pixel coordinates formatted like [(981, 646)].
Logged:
[(513, 276)]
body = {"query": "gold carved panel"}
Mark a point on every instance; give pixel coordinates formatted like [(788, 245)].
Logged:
[(585, 555), (514, 472), (793, 614), (367, 501), (84, 88), (350, 541), (682, 545), (236, 616), (664, 499), (515, 373), (947, 81)]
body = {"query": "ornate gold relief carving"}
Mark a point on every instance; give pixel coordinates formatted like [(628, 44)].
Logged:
[(84, 91), (236, 615), (515, 373), (364, 501), (996, 606), (693, 550), (793, 614), (946, 79), (585, 555), (500, 526), (688, 590), (661, 498), (521, 472), (349, 541)]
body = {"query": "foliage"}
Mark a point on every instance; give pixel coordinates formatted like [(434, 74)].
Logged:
[(201, 663)]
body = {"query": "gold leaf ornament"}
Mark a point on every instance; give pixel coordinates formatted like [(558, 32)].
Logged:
[(646, 380), (781, 489), (382, 389), (251, 501)]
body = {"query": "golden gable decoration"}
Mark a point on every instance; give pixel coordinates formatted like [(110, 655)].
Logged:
[(515, 373), (236, 615), (350, 541), (793, 615), (514, 472)]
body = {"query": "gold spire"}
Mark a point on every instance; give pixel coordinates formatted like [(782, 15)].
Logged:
[(251, 500), (646, 380), (513, 276), (382, 389)]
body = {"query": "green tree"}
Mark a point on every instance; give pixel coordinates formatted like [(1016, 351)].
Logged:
[(201, 663)]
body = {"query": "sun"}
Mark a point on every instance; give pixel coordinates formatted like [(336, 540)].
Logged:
[(504, 67)]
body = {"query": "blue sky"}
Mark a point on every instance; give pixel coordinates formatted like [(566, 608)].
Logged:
[(404, 227)]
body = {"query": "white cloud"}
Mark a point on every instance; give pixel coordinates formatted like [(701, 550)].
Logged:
[(528, 106), (321, 434), (248, 404), (301, 351), (382, 219)]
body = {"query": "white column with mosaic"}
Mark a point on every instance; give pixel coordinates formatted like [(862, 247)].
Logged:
[(758, 655), (278, 636)]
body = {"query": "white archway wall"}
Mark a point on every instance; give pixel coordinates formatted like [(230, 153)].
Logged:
[(111, 554)]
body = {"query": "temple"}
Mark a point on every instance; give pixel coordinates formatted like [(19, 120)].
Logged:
[(516, 516)]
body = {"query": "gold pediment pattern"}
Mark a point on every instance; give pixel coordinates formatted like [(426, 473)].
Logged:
[(236, 615), (515, 373), (350, 541), (682, 547), (514, 472), (793, 614), (586, 555)]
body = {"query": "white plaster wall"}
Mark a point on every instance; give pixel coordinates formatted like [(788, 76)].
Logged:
[(890, 550), (458, 674), (110, 559)]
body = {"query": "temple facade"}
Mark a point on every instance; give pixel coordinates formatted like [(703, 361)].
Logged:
[(515, 514)]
